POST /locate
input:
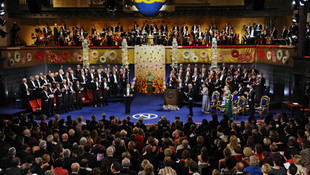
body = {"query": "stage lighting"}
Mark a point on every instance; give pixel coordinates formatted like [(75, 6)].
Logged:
[(2, 22), (301, 3), (3, 33), (293, 2), (2, 12)]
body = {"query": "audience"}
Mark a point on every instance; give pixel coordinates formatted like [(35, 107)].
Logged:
[(99, 149)]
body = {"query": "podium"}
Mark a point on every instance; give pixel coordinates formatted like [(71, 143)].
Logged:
[(171, 97)]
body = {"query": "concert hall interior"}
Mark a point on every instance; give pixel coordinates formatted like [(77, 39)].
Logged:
[(154, 87)]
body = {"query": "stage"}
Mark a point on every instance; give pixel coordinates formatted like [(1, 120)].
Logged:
[(150, 108)]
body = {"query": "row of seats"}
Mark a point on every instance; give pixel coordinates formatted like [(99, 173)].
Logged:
[(37, 108), (240, 104)]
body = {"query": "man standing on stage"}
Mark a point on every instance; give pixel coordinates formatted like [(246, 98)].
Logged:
[(190, 96), (149, 79), (127, 98), (251, 95)]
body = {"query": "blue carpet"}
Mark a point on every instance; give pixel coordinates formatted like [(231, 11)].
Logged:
[(143, 104)]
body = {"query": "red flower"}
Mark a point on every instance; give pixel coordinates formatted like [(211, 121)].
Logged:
[(52, 57), (39, 55), (65, 55), (235, 53)]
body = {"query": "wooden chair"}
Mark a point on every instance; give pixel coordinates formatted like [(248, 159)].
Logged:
[(239, 107), (234, 100), (215, 99), (264, 106)]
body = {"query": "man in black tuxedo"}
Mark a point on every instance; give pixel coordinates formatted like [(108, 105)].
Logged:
[(105, 91), (51, 93), (32, 88), (251, 95), (71, 96), (14, 170), (114, 82), (184, 28), (218, 84), (65, 96), (24, 93), (284, 32), (58, 95), (44, 101), (56, 34), (96, 95), (75, 168), (126, 169), (78, 95), (180, 87), (190, 97), (273, 34), (127, 98), (241, 90)]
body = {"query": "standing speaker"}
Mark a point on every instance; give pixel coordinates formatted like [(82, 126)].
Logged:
[(34, 6), (259, 5)]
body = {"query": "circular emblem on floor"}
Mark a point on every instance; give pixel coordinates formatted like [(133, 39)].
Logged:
[(145, 116)]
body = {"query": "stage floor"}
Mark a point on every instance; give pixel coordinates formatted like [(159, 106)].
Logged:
[(150, 108)]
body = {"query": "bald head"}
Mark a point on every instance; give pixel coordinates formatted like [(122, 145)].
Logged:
[(75, 167), (64, 137), (239, 167)]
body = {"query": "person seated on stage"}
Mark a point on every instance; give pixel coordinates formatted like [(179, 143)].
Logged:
[(241, 90)]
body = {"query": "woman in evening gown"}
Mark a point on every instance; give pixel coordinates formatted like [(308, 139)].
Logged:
[(228, 109), (205, 99)]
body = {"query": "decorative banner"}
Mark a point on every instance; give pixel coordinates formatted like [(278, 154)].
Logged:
[(150, 59), (23, 57), (149, 7)]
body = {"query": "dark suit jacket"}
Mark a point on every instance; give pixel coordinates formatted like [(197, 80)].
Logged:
[(13, 171), (22, 91), (92, 159), (251, 96), (190, 94), (125, 92), (128, 171)]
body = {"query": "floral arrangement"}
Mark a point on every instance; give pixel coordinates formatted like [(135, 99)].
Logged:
[(65, 55), (17, 57), (103, 58), (95, 54), (279, 55), (186, 54), (203, 54), (29, 56), (24, 58), (39, 55), (112, 55)]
